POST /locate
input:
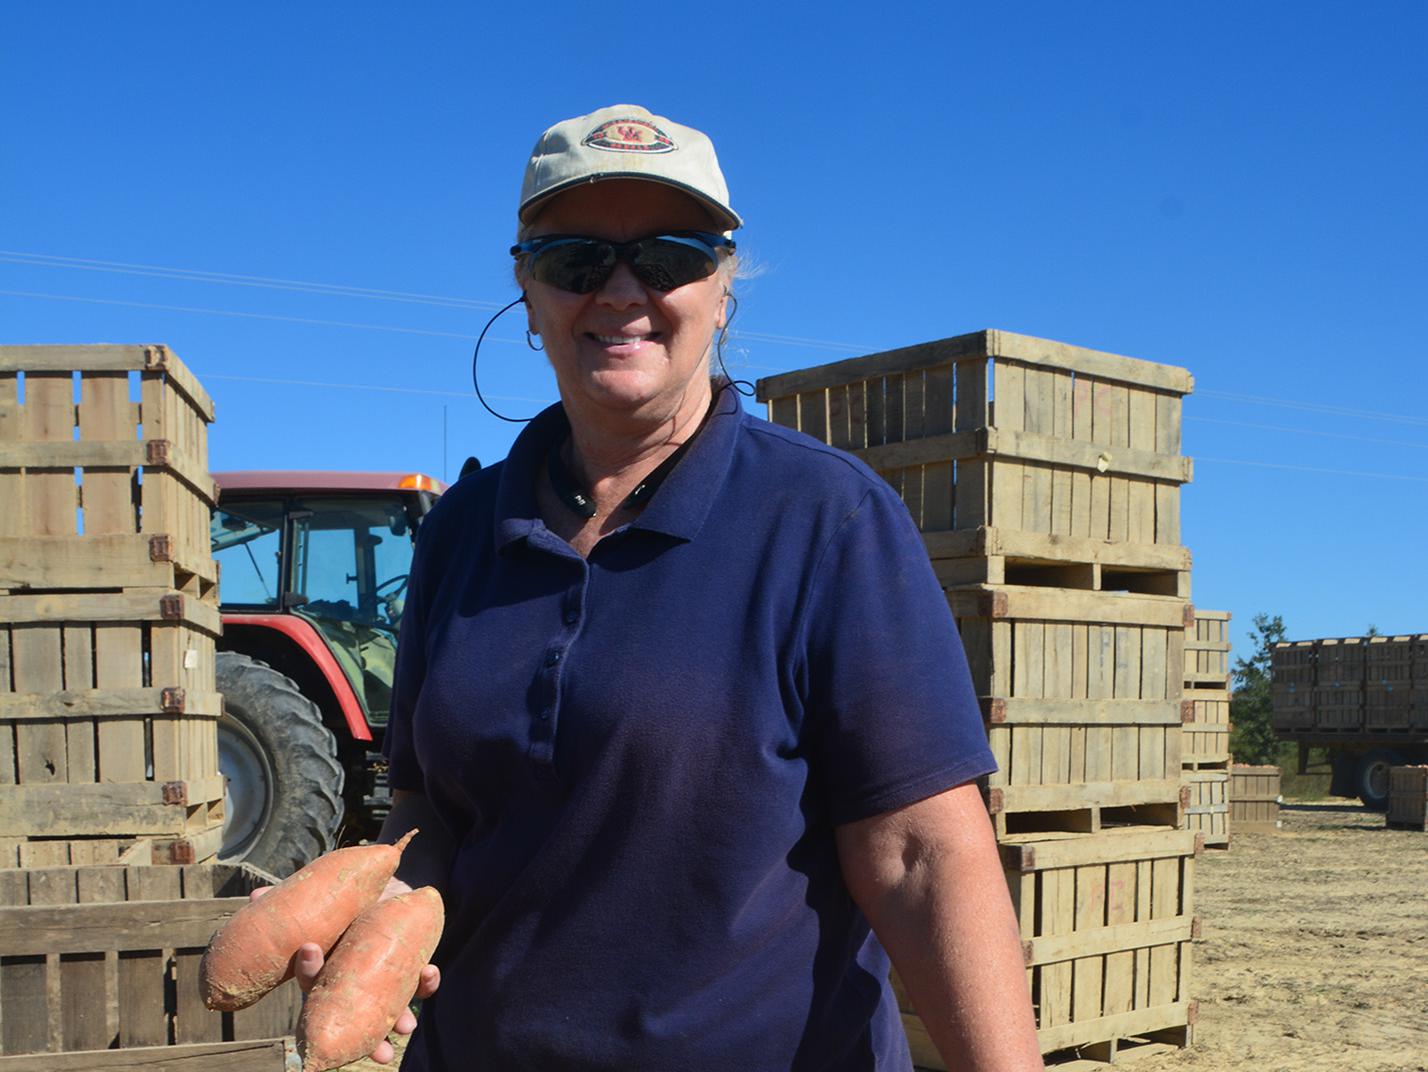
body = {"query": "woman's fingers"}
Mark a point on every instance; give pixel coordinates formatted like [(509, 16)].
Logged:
[(429, 981), (307, 962), (384, 1053)]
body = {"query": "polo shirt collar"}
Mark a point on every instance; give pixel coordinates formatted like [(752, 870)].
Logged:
[(678, 508)]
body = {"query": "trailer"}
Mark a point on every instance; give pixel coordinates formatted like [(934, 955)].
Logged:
[(1364, 699)]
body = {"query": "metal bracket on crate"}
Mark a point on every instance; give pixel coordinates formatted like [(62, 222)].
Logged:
[(1187, 712), (171, 607), (173, 701), (158, 452), (161, 549), (175, 793)]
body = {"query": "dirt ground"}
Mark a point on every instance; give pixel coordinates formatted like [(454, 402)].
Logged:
[(1314, 956), (1315, 948)]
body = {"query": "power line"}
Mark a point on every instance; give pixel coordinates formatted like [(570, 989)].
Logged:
[(1311, 469), (1317, 407), (253, 316), (48, 260), (1309, 431), (372, 387)]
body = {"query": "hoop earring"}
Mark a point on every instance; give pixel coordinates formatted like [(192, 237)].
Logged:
[(531, 344)]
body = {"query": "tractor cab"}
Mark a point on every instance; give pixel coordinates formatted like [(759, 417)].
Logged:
[(313, 580)]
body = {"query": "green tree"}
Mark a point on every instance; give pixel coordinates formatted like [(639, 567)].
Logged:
[(1252, 740)]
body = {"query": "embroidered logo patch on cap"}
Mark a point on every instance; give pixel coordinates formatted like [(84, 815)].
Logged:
[(629, 136)]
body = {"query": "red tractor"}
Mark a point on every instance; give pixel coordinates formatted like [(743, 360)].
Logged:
[(314, 573)]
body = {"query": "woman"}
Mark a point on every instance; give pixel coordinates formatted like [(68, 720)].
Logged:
[(680, 709)]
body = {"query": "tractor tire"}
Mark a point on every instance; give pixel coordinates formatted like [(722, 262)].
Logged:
[(1372, 777), (283, 793)]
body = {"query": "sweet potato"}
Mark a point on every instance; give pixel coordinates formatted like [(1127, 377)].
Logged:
[(253, 951), (369, 979)]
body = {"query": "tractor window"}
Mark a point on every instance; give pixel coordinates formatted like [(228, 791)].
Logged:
[(246, 539), (349, 566)]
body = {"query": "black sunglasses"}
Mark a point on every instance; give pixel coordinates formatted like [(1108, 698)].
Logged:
[(581, 264)]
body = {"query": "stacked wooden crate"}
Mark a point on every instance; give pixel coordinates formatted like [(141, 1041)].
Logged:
[(108, 610), (1206, 756), (99, 970), (1340, 665), (1254, 798), (1046, 481)]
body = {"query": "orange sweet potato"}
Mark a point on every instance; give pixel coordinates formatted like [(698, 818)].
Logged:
[(253, 951), (369, 979)]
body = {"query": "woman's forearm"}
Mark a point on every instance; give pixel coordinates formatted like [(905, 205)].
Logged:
[(929, 880)]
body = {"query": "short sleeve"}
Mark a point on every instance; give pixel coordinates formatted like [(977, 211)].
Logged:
[(403, 770), (893, 715)]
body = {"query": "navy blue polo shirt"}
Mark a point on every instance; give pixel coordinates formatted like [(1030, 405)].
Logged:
[(641, 758)]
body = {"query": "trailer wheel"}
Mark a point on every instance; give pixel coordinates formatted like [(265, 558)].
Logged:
[(1372, 777), (283, 792)]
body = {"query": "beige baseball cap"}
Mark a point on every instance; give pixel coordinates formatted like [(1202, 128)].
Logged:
[(625, 141)]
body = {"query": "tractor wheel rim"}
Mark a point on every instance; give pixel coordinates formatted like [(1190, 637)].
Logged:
[(247, 788)]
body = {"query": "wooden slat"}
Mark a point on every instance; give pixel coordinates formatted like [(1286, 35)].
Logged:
[(106, 703), (129, 927), (1040, 852), (977, 346), (61, 458), (110, 809), (1098, 941), (263, 1055), (1066, 605), (1124, 1025), (1088, 968), (1047, 712), (134, 606), (50, 493), (104, 417), (88, 561), (1129, 791), (108, 357)]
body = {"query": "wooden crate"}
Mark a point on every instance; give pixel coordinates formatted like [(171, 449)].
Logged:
[(1292, 676), (1338, 709), (1208, 812), (1206, 735), (102, 489), (1408, 797), (1420, 660), (1107, 922), (106, 957), (1254, 799), (108, 718), (1082, 708), (1340, 662), (1207, 650), (1388, 690), (1018, 457)]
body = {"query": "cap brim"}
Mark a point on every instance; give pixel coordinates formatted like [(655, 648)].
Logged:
[(725, 216)]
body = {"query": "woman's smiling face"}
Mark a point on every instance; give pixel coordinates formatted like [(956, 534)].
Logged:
[(625, 346)]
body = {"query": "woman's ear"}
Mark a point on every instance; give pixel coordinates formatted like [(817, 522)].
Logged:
[(721, 318), (531, 326)]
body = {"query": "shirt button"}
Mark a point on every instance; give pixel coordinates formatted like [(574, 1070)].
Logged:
[(545, 714), (552, 657), (571, 617)]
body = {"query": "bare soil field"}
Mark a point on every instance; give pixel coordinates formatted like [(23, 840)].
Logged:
[(1314, 956), (1314, 953)]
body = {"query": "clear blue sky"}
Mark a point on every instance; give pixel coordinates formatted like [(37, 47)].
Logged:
[(1241, 189)]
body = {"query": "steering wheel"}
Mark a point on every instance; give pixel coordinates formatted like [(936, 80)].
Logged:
[(392, 600)]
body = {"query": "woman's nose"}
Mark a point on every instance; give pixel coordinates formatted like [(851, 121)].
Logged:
[(623, 289)]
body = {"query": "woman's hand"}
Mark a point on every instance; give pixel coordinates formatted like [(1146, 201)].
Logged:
[(308, 960)]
